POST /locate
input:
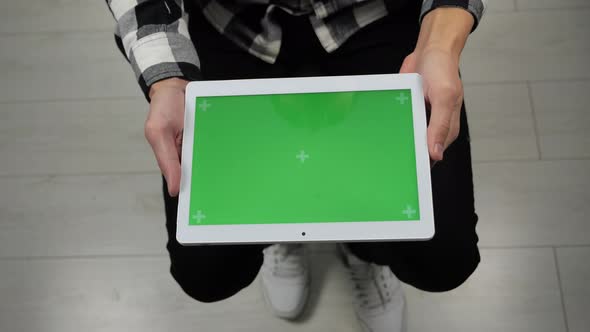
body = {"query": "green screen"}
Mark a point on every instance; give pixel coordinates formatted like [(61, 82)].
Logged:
[(304, 158)]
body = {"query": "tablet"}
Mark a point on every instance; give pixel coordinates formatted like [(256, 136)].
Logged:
[(341, 158)]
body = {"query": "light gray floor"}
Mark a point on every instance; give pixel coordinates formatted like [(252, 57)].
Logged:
[(77, 178)]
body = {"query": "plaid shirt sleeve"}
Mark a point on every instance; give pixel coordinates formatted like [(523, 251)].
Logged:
[(475, 7), (153, 34)]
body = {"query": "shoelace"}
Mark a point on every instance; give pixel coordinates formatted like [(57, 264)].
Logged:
[(373, 288), (284, 260)]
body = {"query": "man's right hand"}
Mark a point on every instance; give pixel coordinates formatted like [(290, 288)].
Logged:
[(164, 127)]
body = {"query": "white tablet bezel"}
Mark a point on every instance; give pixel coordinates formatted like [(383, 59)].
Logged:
[(422, 229)]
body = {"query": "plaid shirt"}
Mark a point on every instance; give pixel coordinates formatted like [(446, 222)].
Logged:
[(154, 33)]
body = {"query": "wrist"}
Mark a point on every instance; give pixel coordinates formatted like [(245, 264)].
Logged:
[(445, 29), (168, 83)]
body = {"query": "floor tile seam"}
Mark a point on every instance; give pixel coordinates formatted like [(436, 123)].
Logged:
[(535, 122), (561, 293)]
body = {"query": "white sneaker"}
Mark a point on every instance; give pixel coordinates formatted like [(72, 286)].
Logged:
[(379, 300), (285, 279)]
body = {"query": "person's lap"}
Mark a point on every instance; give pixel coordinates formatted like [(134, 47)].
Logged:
[(211, 273)]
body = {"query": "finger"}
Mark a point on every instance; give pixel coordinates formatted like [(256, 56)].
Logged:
[(438, 129), (409, 64), (169, 163), (455, 128), (166, 150)]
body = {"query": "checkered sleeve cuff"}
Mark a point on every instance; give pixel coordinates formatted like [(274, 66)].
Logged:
[(163, 55), (154, 37), (475, 7)]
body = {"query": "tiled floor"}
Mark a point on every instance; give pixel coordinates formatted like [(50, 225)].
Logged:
[(74, 168)]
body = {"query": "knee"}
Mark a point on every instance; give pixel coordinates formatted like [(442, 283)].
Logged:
[(445, 281), (447, 277), (214, 273), (208, 288)]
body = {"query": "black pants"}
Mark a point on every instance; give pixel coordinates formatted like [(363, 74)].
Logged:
[(213, 273)]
